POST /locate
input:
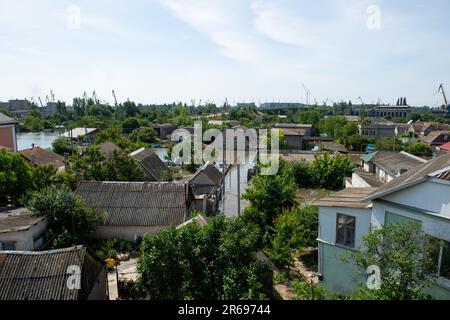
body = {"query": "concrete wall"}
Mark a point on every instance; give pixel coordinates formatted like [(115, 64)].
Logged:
[(125, 233), (24, 240)]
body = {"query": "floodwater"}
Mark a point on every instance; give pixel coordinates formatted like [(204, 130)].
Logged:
[(231, 188), (40, 139)]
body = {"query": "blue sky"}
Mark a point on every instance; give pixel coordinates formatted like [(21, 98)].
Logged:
[(156, 51)]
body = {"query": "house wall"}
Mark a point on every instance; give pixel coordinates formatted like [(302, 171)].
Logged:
[(99, 291), (8, 137), (342, 276), (339, 275), (126, 233), (437, 195), (294, 142), (357, 182), (25, 240)]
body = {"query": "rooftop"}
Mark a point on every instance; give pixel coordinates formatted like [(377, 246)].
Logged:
[(17, 219), (43, 275), (138, 203), (347, 198), (434, 135), (397, 161), (151, 163), (438, 168), (445, 147), (108, 148), (78, 132), (39, 156), (370, 178), (4, 119)]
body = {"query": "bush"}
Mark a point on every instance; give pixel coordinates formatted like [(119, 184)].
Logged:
[(304, 290), (15, 177), (62, 146)]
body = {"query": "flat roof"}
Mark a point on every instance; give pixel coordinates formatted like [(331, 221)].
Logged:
[(347, 198)]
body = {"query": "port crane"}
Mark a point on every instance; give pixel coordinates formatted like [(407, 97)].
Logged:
[(115, 98), (446, 106)]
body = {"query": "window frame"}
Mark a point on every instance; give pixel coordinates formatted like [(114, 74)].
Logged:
[(345, 230)]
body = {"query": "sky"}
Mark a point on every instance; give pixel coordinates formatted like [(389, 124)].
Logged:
[(156, 51)]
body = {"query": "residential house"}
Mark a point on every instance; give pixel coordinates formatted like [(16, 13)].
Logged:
[(108, 148), (134, 209), (155, 169), (21, 230), (164, 131), (295, 134), (38, 156), (8, 138), (64, 274), (387, 165), (77, 134), (420, 195), (363, 179), (334, 147), (422, 128), (206, 187), (437, 138), (445, 147), (378, 130)]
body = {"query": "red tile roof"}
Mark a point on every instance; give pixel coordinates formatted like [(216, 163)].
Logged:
[(445, 147), (39, 156)]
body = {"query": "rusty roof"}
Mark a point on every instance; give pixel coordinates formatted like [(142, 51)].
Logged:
[(39, 156)]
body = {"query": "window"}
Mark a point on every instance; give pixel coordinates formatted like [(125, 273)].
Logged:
[(7, 246), (439, 258), (345, 230)]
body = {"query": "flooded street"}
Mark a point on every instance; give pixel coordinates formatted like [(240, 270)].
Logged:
[(39, 139), (231, 188)]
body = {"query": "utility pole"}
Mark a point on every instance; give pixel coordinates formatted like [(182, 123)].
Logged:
[(239, 188)]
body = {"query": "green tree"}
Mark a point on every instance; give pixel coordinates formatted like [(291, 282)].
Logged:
[(15, 177), (145, 135), (402, 252), (273, 193), (216, 261), (418, 149), (388, 144), (304, 290), (333, 126), (330, 172), (70, 221), (44, 176), (62, 146), (130, 124)]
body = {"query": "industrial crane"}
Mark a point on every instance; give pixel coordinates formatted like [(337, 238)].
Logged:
[(308, 93), (115, 98), (40, 101), (441, 90), (95, 98)]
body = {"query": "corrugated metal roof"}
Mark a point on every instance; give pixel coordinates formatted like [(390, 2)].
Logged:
[(397, 161), (44, 275), (18, 219), (151, 163), (138, 203)]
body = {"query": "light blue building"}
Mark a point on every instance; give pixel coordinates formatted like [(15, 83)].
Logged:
[(422, 195)]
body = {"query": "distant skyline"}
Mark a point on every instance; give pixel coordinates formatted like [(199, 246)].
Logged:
[(157, 51)]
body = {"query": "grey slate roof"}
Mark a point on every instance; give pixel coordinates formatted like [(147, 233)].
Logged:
[(393, 162), (369, 178), (151, 163), (4, 119), (43, 275), (138, 203), (18, 219), (107, 149), (437, 168)]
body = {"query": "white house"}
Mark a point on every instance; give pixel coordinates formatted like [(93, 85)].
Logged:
[(21, 230), (422, 195)]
